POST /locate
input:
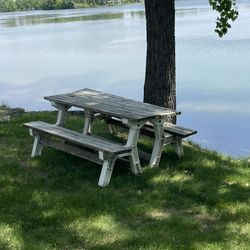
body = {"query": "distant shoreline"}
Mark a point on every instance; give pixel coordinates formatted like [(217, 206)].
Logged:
[(21, 5)]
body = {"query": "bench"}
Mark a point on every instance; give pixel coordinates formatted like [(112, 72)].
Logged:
[(173, 134), (99, 150)]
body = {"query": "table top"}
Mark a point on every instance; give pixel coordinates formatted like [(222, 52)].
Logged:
[(111, 105)]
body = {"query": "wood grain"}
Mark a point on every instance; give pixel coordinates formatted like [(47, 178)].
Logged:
[(92, 142), (111, 105)]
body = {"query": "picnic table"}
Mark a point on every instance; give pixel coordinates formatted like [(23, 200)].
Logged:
[(133, 114)]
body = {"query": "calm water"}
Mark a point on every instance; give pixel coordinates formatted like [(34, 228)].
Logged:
[(49, 52)]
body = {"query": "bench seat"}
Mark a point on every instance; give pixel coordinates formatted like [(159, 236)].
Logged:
[(172, 129), (90, 147), (173, 133)]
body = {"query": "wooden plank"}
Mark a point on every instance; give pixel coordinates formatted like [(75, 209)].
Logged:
[(178, 130), (85, 140), (172, 129), (118, 99), (97, 95), (148, 128), (111, 109), (71, 149), (123, 101), (111, 104)]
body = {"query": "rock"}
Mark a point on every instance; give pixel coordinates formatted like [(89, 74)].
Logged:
[(6, 113)]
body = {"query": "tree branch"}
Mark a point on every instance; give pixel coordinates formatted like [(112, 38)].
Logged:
[(227, 13)]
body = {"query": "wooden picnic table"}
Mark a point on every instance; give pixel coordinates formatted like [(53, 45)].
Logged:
[(134, 114)]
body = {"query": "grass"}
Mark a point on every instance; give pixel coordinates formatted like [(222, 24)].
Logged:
[(201, 201)]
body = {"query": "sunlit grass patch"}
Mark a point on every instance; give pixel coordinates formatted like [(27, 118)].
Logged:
[(99, 230), (10, 237)]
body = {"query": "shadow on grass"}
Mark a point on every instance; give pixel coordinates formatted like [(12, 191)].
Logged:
[(53, 202)]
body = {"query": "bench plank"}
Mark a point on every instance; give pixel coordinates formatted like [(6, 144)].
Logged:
[(178, 130), (173, 134), (84, 146), (148, 128), (75, 137), (71, 149)]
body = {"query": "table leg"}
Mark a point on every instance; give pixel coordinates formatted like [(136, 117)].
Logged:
[(107, 169), (37, 146), (178, 147), (61, 117), (112, 129), (133, 137), (62, 111), (158, 144), (89, 119)]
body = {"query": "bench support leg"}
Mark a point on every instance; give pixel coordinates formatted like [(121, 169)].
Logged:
[(134, 161), (112, 129), (37, 147), (89, 118), (107, 169), (61, 117), (178, 148), (158, 144), (133, 137)]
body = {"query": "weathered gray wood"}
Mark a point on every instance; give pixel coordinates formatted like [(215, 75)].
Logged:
[(77, 144), (37, 147), (107, 169), (171, 129), (93, 95), (109, 108), (158, 143), (61, 117), (111, 105), (133, 114), (173, 135), (75, 137), (133, 136), (89, 119), (178, 130), (148, 128), (178, 148), (60, 145), (169, 139)]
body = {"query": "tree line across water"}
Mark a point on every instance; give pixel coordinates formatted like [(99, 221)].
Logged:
[(20, 5)]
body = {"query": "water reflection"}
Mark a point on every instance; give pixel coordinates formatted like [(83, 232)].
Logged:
[(57, 18), (61, 16), (49, 52), (190, 12)]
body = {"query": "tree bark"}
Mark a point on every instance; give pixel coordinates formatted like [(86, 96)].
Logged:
[(160, 78)]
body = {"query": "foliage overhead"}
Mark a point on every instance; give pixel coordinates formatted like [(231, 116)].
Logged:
[(227, 12), (7, 5)]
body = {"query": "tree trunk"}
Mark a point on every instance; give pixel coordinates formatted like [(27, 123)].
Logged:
[(160, 81)]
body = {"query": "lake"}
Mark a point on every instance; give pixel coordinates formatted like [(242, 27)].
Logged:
[(49, 52)]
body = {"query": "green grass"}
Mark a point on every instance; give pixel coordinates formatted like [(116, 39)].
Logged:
[(201, 201)]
